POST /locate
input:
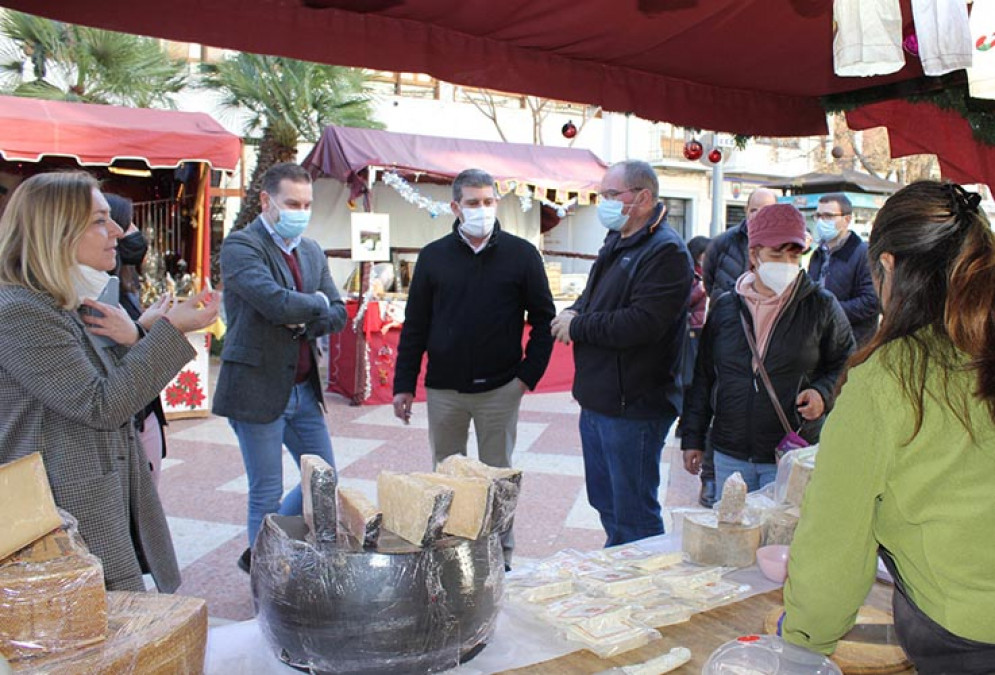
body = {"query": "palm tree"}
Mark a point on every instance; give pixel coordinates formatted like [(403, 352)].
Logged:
[(289, 101), (77, 63)]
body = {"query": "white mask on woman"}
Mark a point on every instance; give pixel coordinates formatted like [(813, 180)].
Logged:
[(778, 276)]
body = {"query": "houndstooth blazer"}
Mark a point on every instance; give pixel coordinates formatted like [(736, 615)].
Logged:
[(60, 397)]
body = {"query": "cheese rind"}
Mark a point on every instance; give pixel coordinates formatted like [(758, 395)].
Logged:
[(470, 512), (360, 519), (708, 542), (507, 486), (52, 606), (413, 509), (318, 484), (26, 503)]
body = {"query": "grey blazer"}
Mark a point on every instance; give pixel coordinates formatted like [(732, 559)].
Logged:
[(259, 359), (61, 397)]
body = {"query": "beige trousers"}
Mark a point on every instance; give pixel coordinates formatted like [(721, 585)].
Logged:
[(495, 422)]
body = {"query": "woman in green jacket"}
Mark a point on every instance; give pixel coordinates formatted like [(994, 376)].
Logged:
[(907, 460)]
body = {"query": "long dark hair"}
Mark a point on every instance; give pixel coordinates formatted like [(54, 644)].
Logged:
[(944, 280)]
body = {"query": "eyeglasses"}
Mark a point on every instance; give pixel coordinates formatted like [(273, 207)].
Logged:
[(612, 194), (829, 215)]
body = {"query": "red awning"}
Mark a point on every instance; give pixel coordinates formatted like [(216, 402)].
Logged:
[(962, 158), (342, 152), (99, 134), (755, 67)]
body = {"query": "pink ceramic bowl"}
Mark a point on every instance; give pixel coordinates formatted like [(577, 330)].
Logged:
[(773, 562)]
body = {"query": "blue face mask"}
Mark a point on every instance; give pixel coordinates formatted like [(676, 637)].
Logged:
[(825, 230), (292, 223), (610, 214)]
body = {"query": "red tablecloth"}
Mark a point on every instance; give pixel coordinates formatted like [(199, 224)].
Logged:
[(347, 373)]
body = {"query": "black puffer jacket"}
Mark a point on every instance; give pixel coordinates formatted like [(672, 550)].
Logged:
[(726, 258), (808, 349)]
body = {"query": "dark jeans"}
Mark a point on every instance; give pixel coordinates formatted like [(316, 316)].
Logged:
[(933, 649), (622, 473)]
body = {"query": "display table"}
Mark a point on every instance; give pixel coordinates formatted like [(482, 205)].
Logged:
[(524, 645), (361, 359)]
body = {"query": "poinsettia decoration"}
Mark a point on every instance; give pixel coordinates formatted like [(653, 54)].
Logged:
[(185, 391)]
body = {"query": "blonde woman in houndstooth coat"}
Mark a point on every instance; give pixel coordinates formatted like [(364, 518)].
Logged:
[(71, 382)]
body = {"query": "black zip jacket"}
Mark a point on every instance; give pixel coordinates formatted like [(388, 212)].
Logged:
[(629, 332), (808, 349), (846, 273), (467, 310), (726, 258)]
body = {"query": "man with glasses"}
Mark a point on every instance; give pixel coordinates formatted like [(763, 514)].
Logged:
[(840, 265), (627, 329)]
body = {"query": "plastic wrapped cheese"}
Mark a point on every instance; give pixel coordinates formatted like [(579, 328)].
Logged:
[(360, 519), (413, 509), (732, 507), (617, 582), (507, 486), (318, 483), (52, 598), (470, 512)]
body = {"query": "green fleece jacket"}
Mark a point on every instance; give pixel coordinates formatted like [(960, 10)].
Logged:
[(929, 501)]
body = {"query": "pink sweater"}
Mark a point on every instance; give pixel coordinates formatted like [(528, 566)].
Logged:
[(765, 310)]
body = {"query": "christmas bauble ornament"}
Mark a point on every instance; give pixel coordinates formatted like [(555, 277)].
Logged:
[(693, 150), (715, 156), (569, 130), (836, 152), (911, 44)]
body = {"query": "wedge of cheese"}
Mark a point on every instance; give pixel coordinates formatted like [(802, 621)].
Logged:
[(148, 633), (26, 504), (413, 509), (318, 483), (470, 513), (51, 603), (359, 518), (507, 486)]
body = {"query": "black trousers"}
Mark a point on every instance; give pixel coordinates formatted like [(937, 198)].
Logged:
[(933, 649)]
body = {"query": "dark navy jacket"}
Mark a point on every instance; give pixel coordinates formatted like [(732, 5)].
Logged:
[(846, 273), (632, 317)]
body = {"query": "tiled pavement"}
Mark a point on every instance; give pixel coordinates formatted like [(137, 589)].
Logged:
[(203, 486)]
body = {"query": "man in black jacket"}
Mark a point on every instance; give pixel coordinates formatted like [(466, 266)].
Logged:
[(467, 307), (840, 265), (627, 329), (725, 261)]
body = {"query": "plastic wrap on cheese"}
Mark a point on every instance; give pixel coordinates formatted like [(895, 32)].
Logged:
[(52, 597), (507, 485), (398, 607)]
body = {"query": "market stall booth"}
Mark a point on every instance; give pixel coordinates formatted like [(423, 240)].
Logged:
[(381, 196), (163, 161)]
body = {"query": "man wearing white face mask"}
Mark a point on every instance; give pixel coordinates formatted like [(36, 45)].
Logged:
[(840, 265), (472, 292), (628, 329), (279, 297), (803, 341)]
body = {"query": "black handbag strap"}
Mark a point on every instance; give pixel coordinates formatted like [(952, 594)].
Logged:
[(763, 375)]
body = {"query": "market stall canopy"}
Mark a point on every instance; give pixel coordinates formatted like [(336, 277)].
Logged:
[(846, 180), (344, 153), (754, 67), (100, 134)]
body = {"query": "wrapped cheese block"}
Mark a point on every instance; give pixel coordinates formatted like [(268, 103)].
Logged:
[(52, 599), (318, 483), (470, 512), (709, 542), (507, 486), (148, 634), (732, 507), (26, 503), (358, 516), (413, 509), (793, 474)]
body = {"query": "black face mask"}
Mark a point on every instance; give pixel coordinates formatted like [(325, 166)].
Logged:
[(132, 248)]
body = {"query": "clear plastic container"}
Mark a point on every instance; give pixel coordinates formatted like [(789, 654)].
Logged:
[(767, 655)]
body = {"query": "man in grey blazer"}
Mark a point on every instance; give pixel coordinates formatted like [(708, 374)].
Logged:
[(279, 298)]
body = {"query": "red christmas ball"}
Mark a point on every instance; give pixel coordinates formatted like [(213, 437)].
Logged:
[(715, 156), (569, 130), (693, 150)]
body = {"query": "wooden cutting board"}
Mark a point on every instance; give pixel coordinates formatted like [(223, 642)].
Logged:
[(859, 658)]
